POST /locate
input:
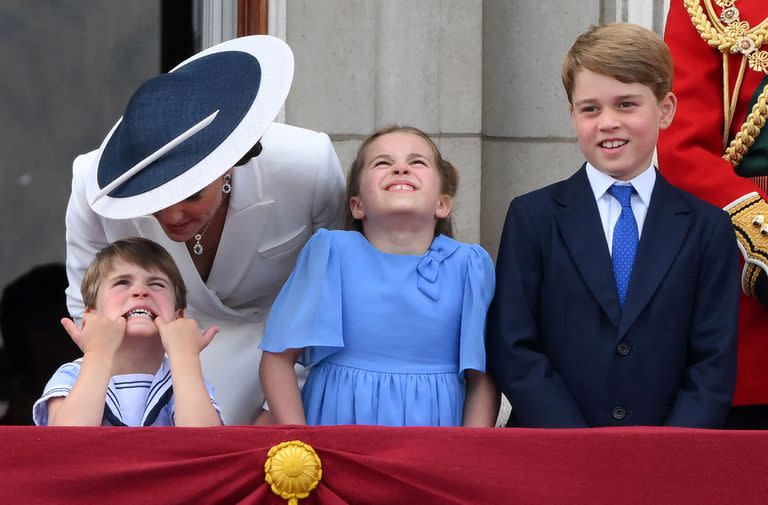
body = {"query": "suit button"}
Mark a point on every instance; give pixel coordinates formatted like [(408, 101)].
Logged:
[(619, 413), (623, 348)]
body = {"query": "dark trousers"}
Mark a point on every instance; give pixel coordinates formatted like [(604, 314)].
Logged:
[(748, 417)]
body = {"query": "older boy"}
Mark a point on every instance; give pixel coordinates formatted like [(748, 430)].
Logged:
[(135, 299), (617, 294)]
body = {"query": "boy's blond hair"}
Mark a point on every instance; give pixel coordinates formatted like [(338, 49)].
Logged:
[(138, 251), (626, 52)]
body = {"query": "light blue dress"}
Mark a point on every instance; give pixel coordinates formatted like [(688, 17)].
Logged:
[(388, 336)]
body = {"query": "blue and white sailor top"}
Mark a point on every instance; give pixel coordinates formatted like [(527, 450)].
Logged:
[(132, 399)]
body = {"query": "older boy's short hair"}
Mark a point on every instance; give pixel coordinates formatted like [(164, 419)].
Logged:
[(626, 52), (137, 251)]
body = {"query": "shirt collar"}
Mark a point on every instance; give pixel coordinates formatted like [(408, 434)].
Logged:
[(159, 394), (643, 183)]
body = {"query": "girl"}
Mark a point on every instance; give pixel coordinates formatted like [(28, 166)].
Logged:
[(391, 315)]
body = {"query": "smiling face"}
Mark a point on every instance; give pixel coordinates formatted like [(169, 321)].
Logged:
[(617, 124), (139, 295), (183, 220), (399, 178)]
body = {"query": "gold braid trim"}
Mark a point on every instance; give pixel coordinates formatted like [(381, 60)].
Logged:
[(749, 215), (749, 279), (749, 130), (700, 19), (735, 37), (723, 37)]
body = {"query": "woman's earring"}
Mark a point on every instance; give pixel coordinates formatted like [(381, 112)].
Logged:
[(226, 188)]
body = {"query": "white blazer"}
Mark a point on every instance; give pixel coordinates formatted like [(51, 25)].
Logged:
[(278, 199)]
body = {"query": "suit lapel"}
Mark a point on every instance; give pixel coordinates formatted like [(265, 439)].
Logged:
[(249, 219), (579, 222), (248, 216), (665, 228)]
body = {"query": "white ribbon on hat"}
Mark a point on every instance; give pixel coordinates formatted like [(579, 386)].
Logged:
[(152, 157)]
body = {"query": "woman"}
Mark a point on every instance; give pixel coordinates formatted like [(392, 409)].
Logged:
[(197, 165)]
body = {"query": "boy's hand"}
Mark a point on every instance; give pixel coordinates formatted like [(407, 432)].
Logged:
[(183, 336), (99, 334)]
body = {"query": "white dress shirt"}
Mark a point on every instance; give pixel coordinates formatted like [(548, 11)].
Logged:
[(610, 208)]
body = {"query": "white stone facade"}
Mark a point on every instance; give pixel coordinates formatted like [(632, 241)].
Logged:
[(481, 77)]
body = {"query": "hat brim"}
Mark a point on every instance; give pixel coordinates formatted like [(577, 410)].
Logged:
[(276, 61)]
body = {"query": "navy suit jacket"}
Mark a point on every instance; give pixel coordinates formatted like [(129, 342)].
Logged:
[(563, 351)]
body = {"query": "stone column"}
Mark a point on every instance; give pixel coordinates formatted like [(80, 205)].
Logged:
[(364, 64)]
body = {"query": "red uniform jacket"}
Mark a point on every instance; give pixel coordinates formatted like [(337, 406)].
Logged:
[(691, 154)]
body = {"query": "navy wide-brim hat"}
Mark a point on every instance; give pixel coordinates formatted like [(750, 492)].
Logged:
[(182, 130)]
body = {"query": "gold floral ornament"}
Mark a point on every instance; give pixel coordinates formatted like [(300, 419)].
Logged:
[(759, 61), (293, 470), (737, 30), (734, 37)]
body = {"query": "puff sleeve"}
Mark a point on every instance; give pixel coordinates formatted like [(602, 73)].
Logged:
[(307, 313), (479, 287), (60, 385)]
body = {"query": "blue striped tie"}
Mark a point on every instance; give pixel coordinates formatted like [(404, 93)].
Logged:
[(625, 239)]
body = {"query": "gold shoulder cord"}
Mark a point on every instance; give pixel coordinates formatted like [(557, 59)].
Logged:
[(730, 35)]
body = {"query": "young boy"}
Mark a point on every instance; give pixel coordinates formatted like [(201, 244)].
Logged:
[(135, 299), (616, 293)]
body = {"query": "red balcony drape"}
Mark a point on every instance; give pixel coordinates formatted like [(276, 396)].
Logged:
[(373, 465)]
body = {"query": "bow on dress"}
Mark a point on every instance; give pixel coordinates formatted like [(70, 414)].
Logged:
[(428, 269)]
